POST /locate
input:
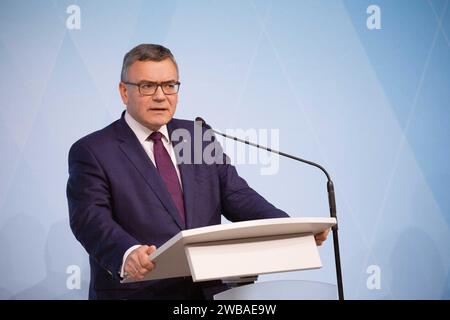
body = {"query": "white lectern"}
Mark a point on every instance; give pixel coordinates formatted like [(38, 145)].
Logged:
[(281, 290), (240, 249)]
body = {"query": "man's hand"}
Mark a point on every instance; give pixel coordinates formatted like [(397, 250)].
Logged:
[(321, 237), (137, 264)]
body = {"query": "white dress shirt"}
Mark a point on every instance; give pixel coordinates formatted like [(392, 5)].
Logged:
[(142, 133)]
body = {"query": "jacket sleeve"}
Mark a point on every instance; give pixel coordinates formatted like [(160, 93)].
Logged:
[(91, 216), (238, 200)]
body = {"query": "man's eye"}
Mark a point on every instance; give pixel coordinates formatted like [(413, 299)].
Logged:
[(170, 85), (147, 86)]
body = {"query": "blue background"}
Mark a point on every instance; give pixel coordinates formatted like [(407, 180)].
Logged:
[(372, 106)]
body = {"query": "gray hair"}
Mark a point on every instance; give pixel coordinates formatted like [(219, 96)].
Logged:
[(145, 52)]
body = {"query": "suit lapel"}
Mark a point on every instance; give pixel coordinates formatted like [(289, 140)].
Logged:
[(133, 150)]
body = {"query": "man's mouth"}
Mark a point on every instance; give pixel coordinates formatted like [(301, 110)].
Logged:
[(157, 109)]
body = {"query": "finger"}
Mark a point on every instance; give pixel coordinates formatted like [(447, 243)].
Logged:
[(136, 275), (145, 262), (143, 257), (142, 272), (130, 271), (132, 264), (150, 249), (134, 260), (321, 237), (142, 249)]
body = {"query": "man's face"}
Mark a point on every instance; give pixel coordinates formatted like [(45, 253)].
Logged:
[(151, 111)]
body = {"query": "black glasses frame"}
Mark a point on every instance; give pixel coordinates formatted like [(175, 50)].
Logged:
[(158, 84)]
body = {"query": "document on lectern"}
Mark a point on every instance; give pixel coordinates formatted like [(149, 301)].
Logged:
[(240, 249)]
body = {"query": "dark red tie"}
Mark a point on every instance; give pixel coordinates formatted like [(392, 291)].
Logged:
[(167, 172)]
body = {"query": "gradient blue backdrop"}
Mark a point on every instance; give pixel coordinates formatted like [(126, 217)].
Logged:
[(373, 106)]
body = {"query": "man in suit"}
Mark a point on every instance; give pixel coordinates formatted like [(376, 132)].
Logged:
[(128, 192)]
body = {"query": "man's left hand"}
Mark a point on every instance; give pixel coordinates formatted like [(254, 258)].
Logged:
[(321, 237)]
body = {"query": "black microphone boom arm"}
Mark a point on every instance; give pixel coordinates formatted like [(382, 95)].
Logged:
[(331, 197)]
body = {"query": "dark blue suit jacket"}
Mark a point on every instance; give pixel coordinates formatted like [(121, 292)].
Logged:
[(117, 199)]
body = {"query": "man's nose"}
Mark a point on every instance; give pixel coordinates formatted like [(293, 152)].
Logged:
[(159, 94)]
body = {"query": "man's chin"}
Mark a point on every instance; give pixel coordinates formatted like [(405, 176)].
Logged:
[(156, 124)]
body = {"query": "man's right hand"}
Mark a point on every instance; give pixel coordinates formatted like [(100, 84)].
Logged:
[(138, 264)]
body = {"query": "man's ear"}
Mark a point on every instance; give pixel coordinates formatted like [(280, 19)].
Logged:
[(123, 93)]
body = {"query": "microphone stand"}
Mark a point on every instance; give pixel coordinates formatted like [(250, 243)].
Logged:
[(331, 198)]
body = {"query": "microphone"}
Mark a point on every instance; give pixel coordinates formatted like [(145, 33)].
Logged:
[(330, 189)]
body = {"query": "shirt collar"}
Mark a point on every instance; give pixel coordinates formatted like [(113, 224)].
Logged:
[(142, 132)]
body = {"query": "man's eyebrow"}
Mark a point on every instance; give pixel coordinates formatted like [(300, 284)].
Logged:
[(146, 81), (149, 81)]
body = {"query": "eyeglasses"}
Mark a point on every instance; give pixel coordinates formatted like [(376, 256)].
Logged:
[(149, 88)]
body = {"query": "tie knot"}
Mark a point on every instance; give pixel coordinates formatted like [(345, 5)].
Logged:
[(156, 136)]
